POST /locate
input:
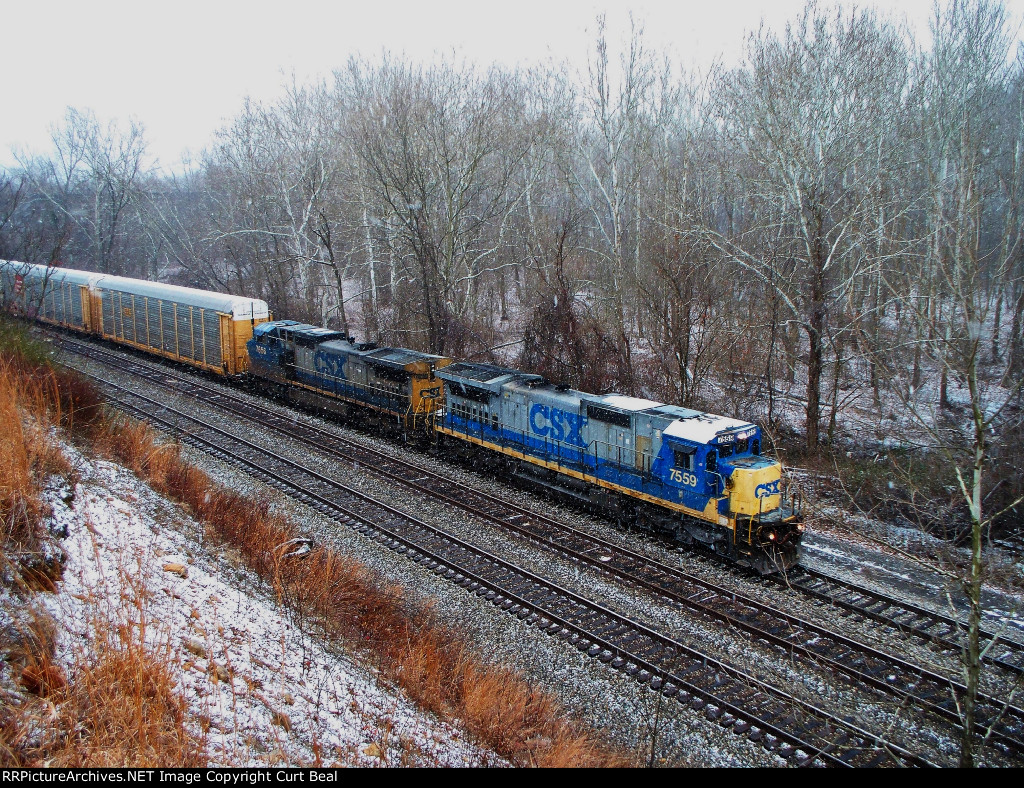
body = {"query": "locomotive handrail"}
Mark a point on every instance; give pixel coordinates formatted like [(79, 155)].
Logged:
[(646, 470), (394, 398), (720, 480)]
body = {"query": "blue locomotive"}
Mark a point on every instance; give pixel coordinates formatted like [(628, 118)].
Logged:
[(697, 477), (395, 387)]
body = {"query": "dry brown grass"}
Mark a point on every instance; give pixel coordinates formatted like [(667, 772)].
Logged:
[(341, 597), (19, 503), (118, 707), (35, 398), (127, 694)]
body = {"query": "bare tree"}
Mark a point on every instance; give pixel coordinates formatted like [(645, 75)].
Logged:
[(809, 112), (964, 83), (441, 149), (614, 138), (93, 179)]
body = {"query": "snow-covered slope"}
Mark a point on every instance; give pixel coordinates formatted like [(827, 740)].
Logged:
[(265, 692)]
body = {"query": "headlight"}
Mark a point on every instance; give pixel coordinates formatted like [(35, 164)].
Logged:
[(800, 527), (771, 536)]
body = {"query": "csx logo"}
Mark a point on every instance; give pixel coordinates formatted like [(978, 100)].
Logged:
[(767, 489), (329, 365), (561, 426)]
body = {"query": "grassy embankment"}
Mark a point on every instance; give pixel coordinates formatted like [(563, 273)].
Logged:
[(116, 705)]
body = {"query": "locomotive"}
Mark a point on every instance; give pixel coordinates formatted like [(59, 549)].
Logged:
[(698, 478), (394, 388), (694, 476)]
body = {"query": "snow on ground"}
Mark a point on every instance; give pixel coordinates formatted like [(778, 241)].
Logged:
[(858, 552), (265, 692)]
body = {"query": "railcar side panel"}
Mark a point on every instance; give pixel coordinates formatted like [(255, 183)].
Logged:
[(51, 295), (198, 336), (197, 327)]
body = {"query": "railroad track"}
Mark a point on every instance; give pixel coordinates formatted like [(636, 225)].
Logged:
[(936, 628), (792, 728), (867, 665)]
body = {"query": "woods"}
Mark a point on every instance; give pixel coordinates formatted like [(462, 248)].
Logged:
[(826, 229)]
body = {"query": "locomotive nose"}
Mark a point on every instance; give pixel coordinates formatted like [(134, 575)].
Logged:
[(755, 487)]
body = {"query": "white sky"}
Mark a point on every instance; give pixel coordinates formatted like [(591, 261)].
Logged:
[(183, 67)]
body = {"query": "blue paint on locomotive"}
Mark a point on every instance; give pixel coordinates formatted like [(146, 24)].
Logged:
[(668, 453), (557, 435), (329, 374), (559, 424), (656, 483), (266, 359), (295, 353)]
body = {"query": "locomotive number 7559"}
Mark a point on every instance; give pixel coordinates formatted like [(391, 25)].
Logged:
[(684, 478)]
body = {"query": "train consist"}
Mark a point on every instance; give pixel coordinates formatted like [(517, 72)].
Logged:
[(693, 476)]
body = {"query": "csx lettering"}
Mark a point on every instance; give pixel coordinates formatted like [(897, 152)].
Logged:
[(329, 365), (767, 489), (561, 426)]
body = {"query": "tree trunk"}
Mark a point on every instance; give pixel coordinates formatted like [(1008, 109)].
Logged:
[(972, 586), (997, 321), (815, 357), (770, 358), (834, 409), (1017, 336)]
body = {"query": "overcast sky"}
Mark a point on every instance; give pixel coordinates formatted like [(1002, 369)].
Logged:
[(182, 68)]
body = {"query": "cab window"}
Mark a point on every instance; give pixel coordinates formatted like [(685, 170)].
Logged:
[(711, 463), (725, 450), (683, 459), (742, 446), (755, 447)]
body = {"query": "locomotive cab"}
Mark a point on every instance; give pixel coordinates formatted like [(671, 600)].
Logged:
[(767, 530)]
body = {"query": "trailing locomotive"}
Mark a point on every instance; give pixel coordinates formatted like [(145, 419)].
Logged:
[(696, 477), (395, 387)]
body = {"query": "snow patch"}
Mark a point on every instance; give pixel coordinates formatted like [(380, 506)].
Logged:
[(264, 691)]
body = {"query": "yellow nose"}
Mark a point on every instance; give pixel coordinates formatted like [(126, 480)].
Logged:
[(756, 490)]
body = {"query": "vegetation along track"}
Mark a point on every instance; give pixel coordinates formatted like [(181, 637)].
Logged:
[(830, 649), (793, 728)]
